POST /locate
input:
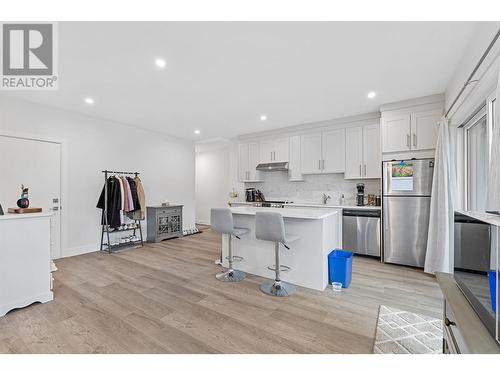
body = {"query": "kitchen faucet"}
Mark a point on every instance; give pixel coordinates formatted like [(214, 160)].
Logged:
[(325, 198)]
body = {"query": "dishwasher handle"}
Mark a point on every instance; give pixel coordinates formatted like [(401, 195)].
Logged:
[(361, 213)]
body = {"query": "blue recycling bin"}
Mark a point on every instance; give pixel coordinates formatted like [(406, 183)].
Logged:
[(340, 267), (492, 278)]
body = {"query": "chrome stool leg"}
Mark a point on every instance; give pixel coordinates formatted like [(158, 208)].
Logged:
[(230, 275), (277, 287)]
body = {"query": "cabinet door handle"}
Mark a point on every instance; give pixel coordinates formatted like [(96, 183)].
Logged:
[(415, 139), (323, 164), (408, 140), (360, 170), (365, 171), (319, 164), (274, 155)]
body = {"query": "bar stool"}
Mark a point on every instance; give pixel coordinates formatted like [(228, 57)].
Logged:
[(221, 221), (269, 226)]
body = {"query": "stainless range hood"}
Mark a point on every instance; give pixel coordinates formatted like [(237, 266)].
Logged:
[(271, 167)]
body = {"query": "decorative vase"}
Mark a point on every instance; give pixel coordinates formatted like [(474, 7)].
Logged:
[(23, 202)]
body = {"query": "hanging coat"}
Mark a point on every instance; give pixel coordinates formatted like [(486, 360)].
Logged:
[(135, 196), (140, 213), (114, 203)]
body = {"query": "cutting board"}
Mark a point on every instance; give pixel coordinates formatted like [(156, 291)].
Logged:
[(30, 210)]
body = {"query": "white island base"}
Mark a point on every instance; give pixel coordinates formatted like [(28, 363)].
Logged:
[(25, 272), (319, 232)]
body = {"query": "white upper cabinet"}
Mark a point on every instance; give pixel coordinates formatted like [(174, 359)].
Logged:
[(363, 156), (282, 149), (424, 129), (243, 166), (396, 131), (333, 150), (323, 152), (310, 145), (248, 159), (411, 130), (372, 154), (294, 167), (274, 150), (266, 151), (354, 153)]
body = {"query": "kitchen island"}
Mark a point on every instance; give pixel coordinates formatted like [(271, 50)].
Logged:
[(319, 232)]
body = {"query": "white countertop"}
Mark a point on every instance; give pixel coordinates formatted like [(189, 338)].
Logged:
[(294, 213), (316, 205), (8, 216), (482, 216)]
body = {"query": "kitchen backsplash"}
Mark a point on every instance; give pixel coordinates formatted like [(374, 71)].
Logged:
[(276, 186)]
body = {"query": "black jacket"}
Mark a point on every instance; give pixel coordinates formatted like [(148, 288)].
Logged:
[(114, 203)]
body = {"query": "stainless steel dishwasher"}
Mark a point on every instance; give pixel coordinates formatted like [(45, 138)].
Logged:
[(361, 231)]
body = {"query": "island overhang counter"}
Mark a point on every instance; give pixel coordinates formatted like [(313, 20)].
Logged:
[(319, 232)]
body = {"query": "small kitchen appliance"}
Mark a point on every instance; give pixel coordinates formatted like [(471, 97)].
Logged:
[(360, 196)]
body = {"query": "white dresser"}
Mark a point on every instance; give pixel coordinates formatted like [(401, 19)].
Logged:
[(25, 274)]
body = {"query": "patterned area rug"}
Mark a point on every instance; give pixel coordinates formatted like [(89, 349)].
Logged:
[(403, 332)]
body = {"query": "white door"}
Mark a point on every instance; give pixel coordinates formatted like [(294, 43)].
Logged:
[(243, 162), (424, 129), (294, 171), (396, 133), (37, 166), (371, 152), (266, 151), (281, 149), (354, 153), (253, 161), (310, 147), (333, 150)]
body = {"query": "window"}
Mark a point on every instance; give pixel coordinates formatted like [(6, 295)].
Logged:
[(477, 145), (477, 161)]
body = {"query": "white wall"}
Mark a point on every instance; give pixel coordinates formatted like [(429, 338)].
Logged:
[(212, 178), (91, 145)]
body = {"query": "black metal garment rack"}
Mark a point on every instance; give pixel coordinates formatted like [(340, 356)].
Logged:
[(105, 225)]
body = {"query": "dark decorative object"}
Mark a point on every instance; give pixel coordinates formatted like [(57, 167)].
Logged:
[(1, 210), (23, 202)]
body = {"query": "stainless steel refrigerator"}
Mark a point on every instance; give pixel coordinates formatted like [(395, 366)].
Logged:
[(407, 186)]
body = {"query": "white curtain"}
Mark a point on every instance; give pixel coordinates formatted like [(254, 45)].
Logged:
[(439, 256), (494, 175)]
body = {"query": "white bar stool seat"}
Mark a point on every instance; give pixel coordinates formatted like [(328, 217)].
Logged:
[(269, 226), (221, 221)]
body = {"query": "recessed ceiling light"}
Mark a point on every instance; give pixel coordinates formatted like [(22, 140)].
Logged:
[(160, 63), (89, 100), (371, 94), (263, 118), (196, 132)]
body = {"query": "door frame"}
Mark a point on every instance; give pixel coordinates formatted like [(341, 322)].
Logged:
[(63, 183)]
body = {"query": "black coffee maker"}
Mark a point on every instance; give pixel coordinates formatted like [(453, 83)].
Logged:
[(360, 197), (250, 194)]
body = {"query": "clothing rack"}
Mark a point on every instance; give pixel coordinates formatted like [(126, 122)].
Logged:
[(105, 227)]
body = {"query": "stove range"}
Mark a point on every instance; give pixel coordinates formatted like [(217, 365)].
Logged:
[(273, 204)]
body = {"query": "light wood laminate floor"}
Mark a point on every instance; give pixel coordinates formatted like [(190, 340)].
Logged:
[(163, 298)]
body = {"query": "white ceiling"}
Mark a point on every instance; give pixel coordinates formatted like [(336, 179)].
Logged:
[(222, 76)]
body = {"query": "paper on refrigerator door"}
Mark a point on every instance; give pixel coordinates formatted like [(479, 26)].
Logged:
[(402, 177)]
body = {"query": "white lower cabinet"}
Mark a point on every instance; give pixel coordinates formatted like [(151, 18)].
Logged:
[(363, 155), (248, 159)]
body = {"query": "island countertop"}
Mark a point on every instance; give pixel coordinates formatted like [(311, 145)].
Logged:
[(293, 213)]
